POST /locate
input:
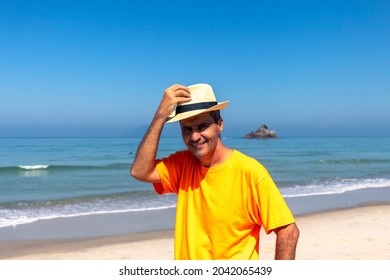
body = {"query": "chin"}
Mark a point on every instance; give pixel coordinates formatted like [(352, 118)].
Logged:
[(198, 153)]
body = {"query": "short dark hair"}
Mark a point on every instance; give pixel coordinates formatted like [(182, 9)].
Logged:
[(216, 115)]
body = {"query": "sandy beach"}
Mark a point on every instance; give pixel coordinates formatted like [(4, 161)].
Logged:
[(359, 233)]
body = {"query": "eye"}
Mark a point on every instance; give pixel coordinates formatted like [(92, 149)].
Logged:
[(203, 126), (185, 130)]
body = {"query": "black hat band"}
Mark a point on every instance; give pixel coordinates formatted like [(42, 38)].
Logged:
[(195, 106)]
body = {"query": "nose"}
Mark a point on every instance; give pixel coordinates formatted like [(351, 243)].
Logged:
[(195, 136)]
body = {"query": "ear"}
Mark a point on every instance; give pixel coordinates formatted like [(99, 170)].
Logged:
[(220, 125)]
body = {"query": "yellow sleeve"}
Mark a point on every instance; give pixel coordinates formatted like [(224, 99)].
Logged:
[(274, 211)]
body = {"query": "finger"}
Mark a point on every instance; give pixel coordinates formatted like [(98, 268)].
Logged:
[(183, 93), (178, 92), (181, 90)]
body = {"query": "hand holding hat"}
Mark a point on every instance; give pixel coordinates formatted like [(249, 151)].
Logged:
[(202, 100), (172, 96)]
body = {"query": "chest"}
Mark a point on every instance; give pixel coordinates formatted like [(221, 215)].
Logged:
[(214, 197)]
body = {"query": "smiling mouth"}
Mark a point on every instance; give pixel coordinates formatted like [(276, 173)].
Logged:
[(198, 145)]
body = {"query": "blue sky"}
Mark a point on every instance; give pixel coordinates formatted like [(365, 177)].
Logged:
[(99, 68)]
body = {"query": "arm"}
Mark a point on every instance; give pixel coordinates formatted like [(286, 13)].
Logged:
[(143, 167), (286, 242)]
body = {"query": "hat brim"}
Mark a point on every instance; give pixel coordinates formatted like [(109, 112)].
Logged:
[(189, 114)]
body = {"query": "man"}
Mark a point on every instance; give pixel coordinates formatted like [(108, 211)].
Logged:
[(224, 196)]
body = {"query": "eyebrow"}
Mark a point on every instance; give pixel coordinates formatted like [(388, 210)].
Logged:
[(196, 124), (196, 127)]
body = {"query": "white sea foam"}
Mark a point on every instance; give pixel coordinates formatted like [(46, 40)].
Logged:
[(13, 219), (33, 167), (335, 186)]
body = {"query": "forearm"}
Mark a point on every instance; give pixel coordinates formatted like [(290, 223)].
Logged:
[(286, 242), (143, 165)]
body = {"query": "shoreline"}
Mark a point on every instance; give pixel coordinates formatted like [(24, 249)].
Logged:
[(115, 224), (350, 233)]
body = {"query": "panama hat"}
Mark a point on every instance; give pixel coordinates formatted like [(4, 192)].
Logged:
[(202, 100)]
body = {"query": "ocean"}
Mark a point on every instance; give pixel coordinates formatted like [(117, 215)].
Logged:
[(51, 178)]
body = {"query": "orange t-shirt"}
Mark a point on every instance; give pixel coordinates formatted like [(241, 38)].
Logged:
[(220, 209)]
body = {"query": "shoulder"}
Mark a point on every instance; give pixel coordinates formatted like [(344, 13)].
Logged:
[(249, 164), (181, 158), (243, 158), (183, 154)]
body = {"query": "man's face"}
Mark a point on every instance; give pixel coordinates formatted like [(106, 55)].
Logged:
[(201, 136)]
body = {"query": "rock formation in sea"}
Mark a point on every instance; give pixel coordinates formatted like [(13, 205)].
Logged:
[(261, 133)]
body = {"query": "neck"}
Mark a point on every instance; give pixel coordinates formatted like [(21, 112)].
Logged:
[(221, 153)]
